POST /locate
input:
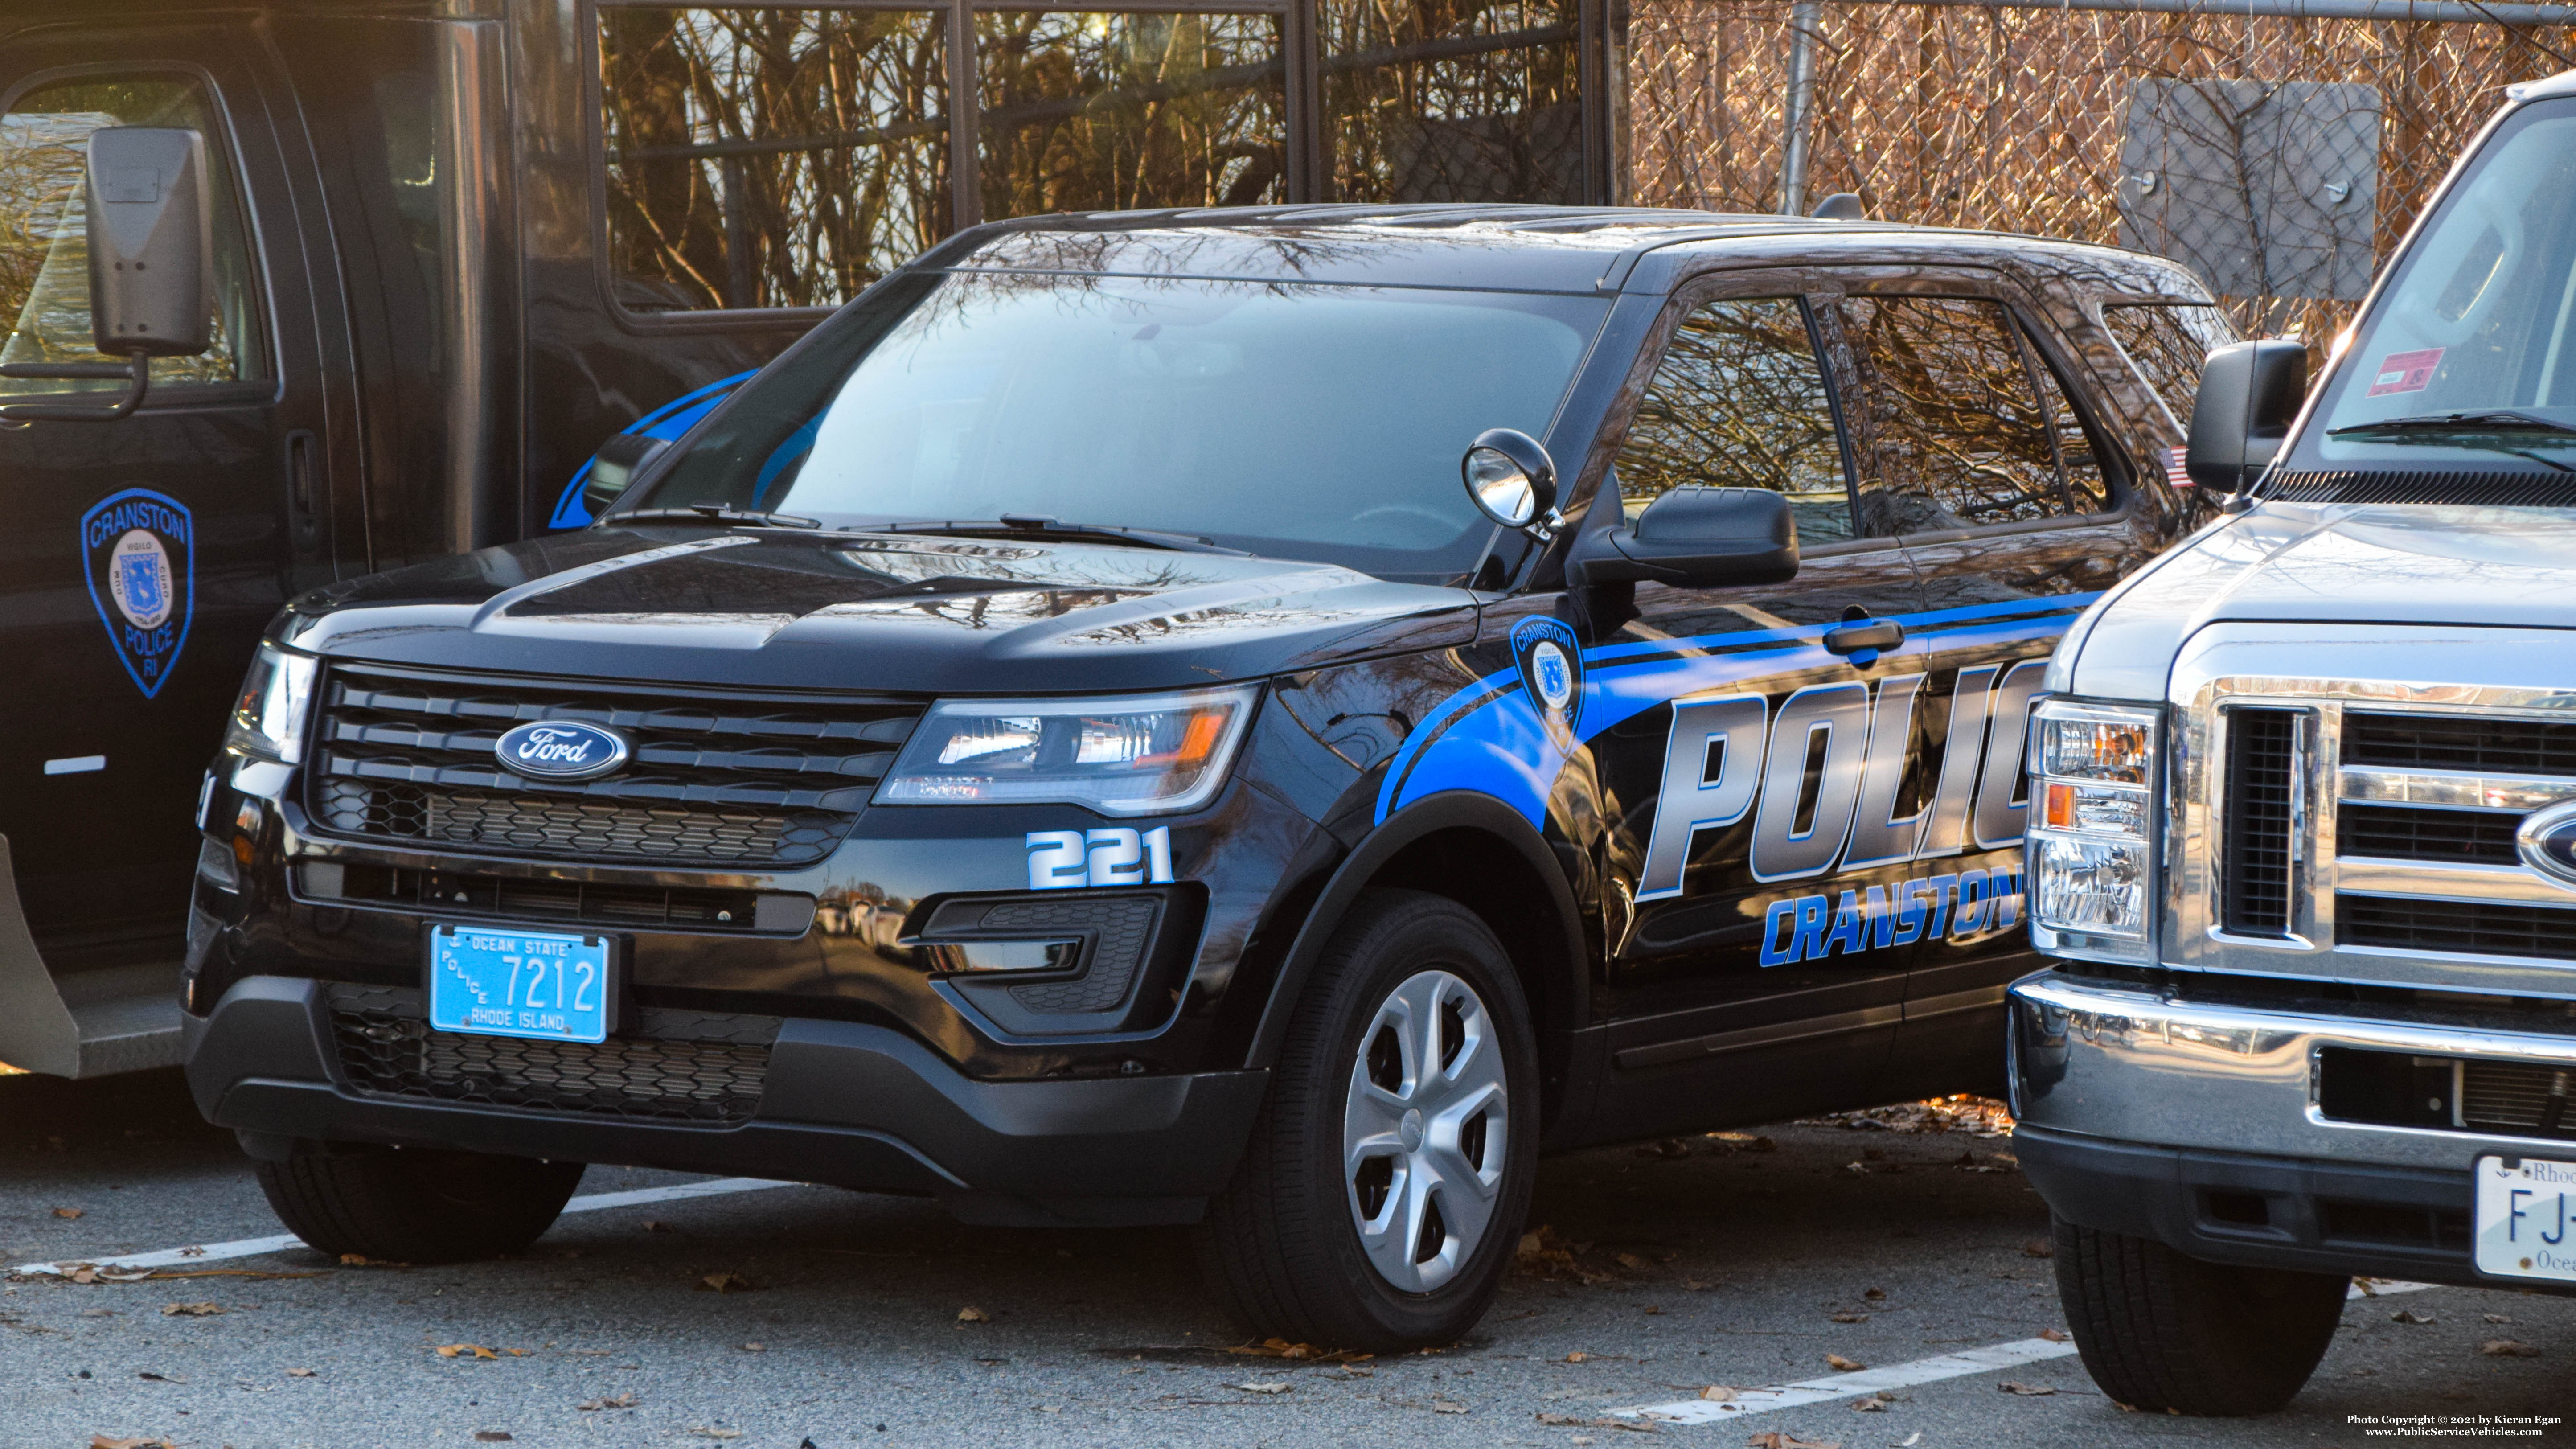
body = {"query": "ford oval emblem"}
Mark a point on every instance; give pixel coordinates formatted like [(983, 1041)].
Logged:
[(561, 749), (2546, 840)]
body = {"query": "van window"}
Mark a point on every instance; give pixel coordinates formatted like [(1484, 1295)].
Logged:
[(769, 158), (2168, 343), (1951, 427), (1739, 402), (44, 250)]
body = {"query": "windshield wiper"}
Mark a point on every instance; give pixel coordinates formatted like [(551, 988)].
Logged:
[(714, 513), (2500, 420), (1027, 525)]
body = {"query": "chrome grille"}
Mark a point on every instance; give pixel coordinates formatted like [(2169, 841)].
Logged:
[(2416, 832), (2483, 928), (2260, 786), (717, 777), (2459, 742)]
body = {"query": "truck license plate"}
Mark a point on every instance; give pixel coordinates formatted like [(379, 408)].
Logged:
[(2527, 1218), (519, 983)]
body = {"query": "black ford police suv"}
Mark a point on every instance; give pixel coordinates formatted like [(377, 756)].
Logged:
[(1063, 740)]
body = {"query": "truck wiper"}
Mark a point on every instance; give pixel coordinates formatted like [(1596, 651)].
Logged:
[(1025, 525), (2501, 420), (714, 513)]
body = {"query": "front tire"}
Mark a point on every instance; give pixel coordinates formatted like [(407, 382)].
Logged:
[(415, 1204), (1382, 1195), (2162, 1331)]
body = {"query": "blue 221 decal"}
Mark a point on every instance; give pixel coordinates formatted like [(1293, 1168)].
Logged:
[(139, 554)]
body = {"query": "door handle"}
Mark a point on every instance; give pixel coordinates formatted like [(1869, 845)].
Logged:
[(1864, 639)]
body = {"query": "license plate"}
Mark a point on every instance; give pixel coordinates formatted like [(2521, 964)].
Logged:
[(519, 983), (2527, 1218)]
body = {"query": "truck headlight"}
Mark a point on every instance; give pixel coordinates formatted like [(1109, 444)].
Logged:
[(278, 693), (1138, 755), (2093, 835)]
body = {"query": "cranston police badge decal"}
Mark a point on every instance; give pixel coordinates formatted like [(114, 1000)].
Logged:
[(139, 550), (1551, 662)]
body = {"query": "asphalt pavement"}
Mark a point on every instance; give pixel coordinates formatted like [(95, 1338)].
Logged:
[(780, 1317)]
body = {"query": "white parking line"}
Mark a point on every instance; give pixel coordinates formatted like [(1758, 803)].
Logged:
[(279, 1243), (1906, 1375)]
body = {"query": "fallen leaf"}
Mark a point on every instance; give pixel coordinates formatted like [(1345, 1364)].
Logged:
[(2038, 1248), (190, 1310), (302, 1374), (705, 1432), (149, 1375), (972, 1314), (491, 1436), (463, 1350), (1653, 1309), (1693, 1285), (1447, 1406), (192, 1252), (656, 1225), (755, 1348), (101, 1441), (1718, 1394), (1856, 1169), (1874, 1295), (724, 1283), (614, 1401), (1851, 1318), (1629, 1260), (1577, 1356), (1775, 1439), (2407, 1316), (1280, 1387), (1871, 1404), (111, 1313), (2034, 1391), (73, 1213), (2055, 1335), (1577, 1421), (356, 1260), (1846, 1365), (2508, 1348), (2498, 1318)]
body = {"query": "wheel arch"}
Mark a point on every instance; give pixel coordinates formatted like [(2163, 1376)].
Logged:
[(1481, 853)]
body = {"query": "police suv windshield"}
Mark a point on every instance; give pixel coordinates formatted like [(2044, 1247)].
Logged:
[(1286, 419), (2469, 358)]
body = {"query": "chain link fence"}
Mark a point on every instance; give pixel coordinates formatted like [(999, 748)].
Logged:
[(2280, 154)]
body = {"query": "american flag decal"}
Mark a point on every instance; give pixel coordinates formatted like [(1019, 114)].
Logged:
[(2175, 473)]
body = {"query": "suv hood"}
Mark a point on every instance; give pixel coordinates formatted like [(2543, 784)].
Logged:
[(2338, 563), (773, 608)]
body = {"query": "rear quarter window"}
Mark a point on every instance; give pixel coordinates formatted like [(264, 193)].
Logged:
[(2167, 342)]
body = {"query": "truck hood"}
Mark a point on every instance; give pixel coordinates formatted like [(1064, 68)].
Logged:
[(781, 609), (2336, 563)]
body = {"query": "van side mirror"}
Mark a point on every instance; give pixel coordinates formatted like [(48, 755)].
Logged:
[(2249, 395), (614, 467), (1695, 538), (149, 228)]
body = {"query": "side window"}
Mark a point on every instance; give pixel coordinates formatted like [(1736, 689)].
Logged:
[(44, 248), (1951, 430), (769, 158), (1740, 402), (2087, 482), (2167, 343)]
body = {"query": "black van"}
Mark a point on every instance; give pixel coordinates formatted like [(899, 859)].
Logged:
[(1063, 740), (453, 246)]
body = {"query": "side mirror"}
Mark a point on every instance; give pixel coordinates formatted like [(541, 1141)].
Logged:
[(1512, 480), (2249, 395), (150, 234), (1696, 538), (615, 465)]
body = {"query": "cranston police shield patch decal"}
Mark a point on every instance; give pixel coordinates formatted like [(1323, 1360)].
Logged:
[(1551, 662), (139, 549)]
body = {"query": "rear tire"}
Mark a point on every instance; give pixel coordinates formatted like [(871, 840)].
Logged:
[(1382, 1195), (415, 1204), (2159, 1330)]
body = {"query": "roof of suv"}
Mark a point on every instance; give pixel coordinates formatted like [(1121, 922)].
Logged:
[(1532, 248)]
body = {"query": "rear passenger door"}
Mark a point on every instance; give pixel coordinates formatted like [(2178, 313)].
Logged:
[(1976, 442), (1760, 780)]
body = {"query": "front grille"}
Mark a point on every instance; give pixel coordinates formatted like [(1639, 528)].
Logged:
[(2494, 744), (679, 1066), (2458, 927), (2518, 1097), (688, 908), (717, 777), (2455, 1094), (2407, 832), (2256, 832), (2490, 489)]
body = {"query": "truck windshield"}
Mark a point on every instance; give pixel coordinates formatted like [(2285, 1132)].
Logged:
[(1292, 420), (2469, 358)]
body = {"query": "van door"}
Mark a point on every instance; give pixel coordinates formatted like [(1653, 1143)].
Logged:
[(144, 555), (1764, 792), (2018, 512)]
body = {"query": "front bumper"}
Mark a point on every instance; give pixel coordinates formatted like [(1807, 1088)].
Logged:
[(2197, 1124), (845, 1103)]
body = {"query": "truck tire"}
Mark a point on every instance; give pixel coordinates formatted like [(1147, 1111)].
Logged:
[(415, 1204), (1381, 1198), (2162, 1331)]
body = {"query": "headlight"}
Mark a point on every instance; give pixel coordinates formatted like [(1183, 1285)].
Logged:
[(1139, 755), (2093, 835), (269, 719)]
